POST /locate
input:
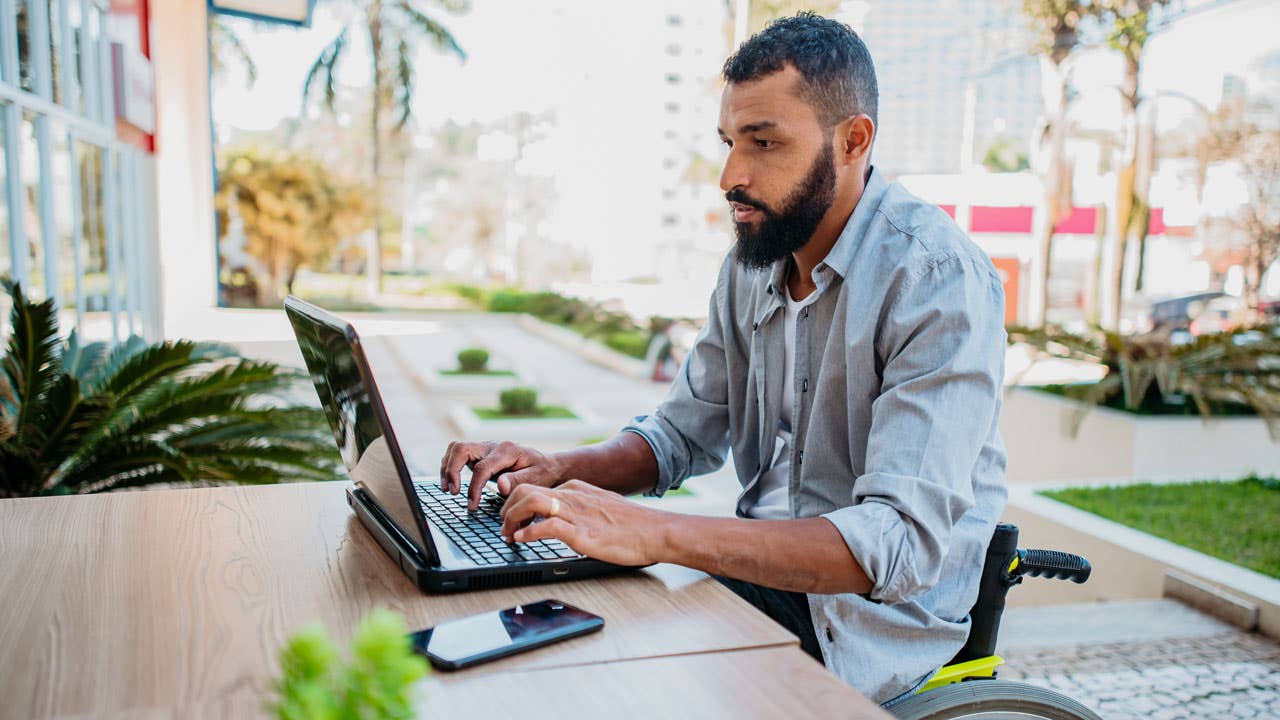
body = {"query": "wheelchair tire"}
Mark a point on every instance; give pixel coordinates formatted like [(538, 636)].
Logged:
[(991, 700)]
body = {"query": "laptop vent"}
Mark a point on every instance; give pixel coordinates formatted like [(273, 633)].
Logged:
[(484, 582)]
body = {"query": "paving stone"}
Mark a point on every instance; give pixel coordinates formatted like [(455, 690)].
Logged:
[(1232, 675)]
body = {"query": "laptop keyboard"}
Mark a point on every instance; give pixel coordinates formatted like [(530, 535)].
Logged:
[(476, 532)]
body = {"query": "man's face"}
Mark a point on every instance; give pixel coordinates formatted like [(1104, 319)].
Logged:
[(780, 176)]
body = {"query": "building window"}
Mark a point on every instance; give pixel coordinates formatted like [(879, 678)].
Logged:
[(675, 20), (670, 220), (73, 213), (673, 78)]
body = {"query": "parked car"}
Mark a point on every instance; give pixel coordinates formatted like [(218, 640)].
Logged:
[(1178, 313)]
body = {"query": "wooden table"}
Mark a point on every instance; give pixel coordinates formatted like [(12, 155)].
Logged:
[(174, 603)]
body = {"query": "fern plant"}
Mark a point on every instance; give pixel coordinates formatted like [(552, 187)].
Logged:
[(82, 418), (1237, 367)]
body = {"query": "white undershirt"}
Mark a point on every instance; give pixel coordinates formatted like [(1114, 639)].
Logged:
[(774, 500)]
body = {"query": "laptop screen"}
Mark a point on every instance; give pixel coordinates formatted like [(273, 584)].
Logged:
[(354, 410)]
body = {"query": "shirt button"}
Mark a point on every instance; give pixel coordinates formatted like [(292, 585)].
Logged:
[(755, 327), (830, 635)]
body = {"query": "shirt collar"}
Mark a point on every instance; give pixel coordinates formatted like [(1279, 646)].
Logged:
[(841, 255)]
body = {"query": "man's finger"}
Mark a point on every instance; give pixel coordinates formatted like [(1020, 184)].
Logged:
[(496, 461), (462, 454), (533, 502), (556, 527), (511, 479), (444, 463)]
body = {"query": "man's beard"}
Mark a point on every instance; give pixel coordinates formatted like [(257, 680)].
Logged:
[(780, 233)]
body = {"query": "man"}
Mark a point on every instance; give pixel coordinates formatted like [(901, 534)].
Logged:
[(851, 361)]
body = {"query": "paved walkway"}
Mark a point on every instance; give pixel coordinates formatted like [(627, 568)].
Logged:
[(1171, 663)]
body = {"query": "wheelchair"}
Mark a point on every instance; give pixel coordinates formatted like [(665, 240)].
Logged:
[(967, 686)]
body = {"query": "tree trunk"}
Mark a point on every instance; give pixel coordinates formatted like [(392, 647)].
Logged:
[(1125, 189), (373, 266), (1056, 185)]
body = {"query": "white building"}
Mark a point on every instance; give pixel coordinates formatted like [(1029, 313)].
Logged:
[(929, 54)]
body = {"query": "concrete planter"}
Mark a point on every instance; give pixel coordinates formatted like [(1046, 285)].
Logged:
[(472, 385), (591, 350), (1129, 564), (1113, 444), (572, 430)]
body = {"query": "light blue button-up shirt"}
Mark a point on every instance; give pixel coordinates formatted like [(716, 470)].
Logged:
[(898, 372)]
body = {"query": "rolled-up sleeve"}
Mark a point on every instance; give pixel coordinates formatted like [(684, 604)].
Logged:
[(942, 344), (689, 431)]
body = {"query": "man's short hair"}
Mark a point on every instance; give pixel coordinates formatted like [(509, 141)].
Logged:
[(839, 80)]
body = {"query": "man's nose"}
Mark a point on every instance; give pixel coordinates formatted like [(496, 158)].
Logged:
[(734, 174)]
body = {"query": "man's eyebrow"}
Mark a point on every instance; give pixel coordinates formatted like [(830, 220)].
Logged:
[(751, 127)]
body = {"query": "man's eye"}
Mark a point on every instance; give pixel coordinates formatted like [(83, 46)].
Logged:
[(764, 144), (727, 142)]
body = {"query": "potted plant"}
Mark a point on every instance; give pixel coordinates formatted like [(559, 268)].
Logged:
[(472, 375), (1209, 407), (83, 418), (519, 415)]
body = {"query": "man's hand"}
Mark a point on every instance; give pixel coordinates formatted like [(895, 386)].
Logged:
[(518, 466), (595, 522)]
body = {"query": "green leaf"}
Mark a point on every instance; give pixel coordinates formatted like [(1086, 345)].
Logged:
[(375, 685), (383, 669), (32, 363), (80, 360)]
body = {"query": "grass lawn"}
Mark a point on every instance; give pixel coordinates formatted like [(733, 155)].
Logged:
[(545, 412), (1236, 521), (482, 373)]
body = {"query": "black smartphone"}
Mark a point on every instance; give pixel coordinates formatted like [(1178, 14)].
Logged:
[(488, 636)]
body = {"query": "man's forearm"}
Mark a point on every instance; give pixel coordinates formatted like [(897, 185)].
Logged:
[(807, 555), (624, 464)]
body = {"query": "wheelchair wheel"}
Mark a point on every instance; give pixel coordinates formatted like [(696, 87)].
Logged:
[(991, 700)]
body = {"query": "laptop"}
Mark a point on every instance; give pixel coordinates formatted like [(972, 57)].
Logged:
[(437, 542)]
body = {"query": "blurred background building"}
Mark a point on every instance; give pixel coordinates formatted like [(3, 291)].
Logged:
[(576, 150)]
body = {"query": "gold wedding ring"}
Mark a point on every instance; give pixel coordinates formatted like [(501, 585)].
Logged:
[(555, 507)]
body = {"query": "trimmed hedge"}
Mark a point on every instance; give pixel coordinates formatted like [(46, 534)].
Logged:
[(518, 401), (473, 360)]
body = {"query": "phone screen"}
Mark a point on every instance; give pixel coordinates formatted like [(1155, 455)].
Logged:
[(492, 635)]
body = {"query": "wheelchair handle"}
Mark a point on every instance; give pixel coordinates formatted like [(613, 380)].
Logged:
[(1050, 564)]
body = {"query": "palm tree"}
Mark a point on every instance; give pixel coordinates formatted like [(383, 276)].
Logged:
[(225, 44), (1057, 23), (82, 418), (395, 29)]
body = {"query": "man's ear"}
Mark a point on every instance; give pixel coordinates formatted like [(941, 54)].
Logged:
[(854, 137)]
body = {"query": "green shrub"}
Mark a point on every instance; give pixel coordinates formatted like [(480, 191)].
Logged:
[(586, 318), (509, 301), (316, 684), (476, 295), (473, 360), (630, 342), (518, 401)]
